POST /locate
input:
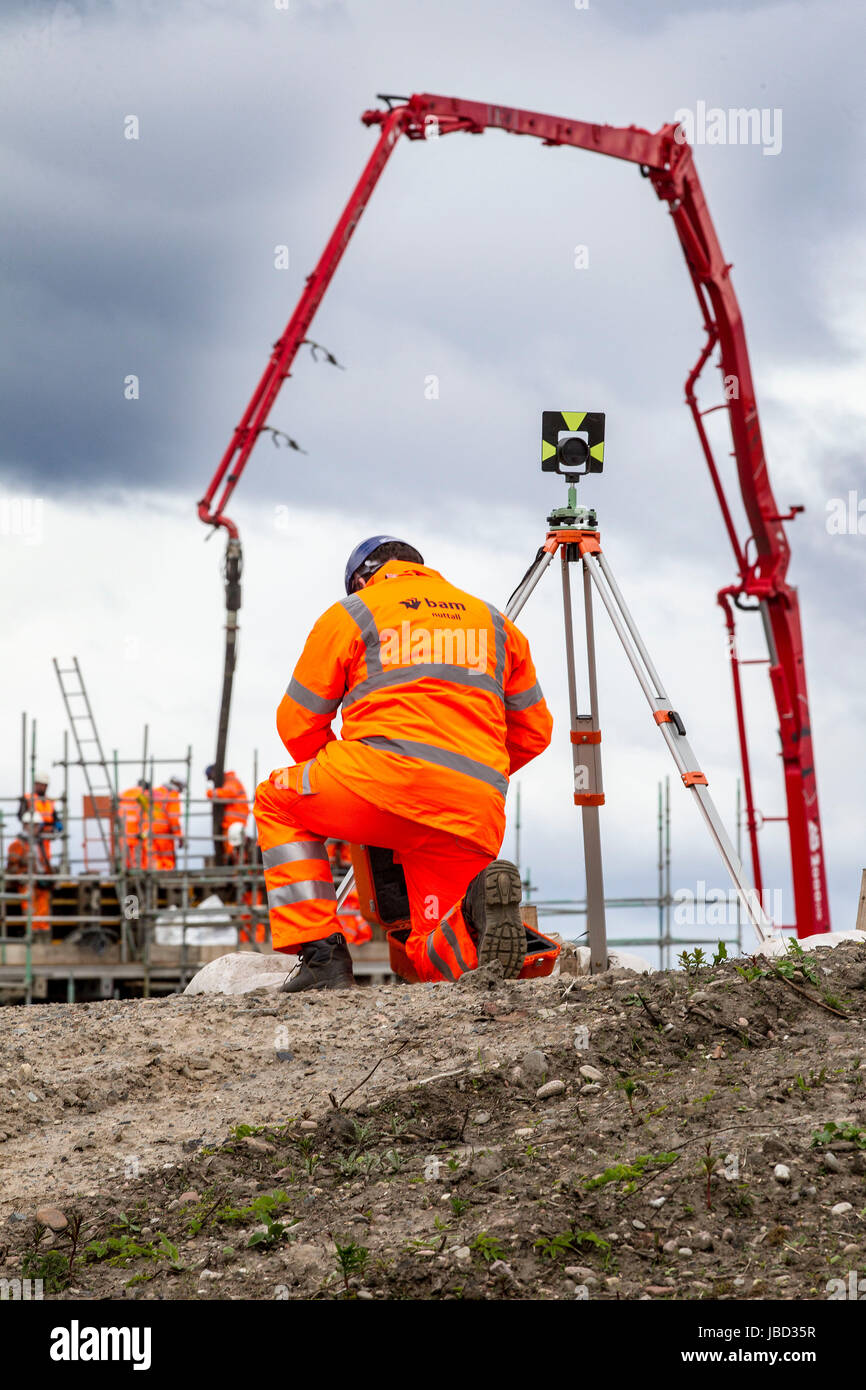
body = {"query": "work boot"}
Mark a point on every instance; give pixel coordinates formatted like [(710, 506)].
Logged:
[(325, 964), (491, 909)]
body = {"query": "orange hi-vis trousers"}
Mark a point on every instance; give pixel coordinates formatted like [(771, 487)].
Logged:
[(299, 807)]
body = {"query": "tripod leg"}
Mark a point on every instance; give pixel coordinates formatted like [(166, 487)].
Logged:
[(674, 734), (586, 761), (527, 584)]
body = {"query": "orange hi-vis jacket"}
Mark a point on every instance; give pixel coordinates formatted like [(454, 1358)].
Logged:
[(233, 793), (132, 815), (439, 698), (165, 826), (40, 805)]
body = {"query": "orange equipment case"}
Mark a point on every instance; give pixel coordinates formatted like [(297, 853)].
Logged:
[(384, 901)]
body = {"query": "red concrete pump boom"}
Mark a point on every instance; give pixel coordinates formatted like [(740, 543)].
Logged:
[(762, 560)]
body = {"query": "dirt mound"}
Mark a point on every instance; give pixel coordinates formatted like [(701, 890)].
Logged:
[(696, 1134)]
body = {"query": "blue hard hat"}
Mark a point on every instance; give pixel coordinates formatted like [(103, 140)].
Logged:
[(363, 551)]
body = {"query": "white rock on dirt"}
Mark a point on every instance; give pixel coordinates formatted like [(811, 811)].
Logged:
[(550, 1088), (617, 960), (782, 1173), (778, 945), (240, 972), (591, 1073)]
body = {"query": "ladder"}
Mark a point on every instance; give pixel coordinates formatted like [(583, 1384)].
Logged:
[(101, 796)]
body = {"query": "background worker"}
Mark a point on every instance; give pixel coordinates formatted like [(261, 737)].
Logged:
[(166, 836), (39, 803), (236, 809), (133, 815), (28, 853), (440, 706)]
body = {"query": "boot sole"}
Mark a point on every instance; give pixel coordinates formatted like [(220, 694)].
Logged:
[(344, 982), (504, 937)]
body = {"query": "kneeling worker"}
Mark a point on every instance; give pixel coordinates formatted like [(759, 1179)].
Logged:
[(440, 706)]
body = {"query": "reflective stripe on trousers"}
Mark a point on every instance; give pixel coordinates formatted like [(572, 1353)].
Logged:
[(450, 949)]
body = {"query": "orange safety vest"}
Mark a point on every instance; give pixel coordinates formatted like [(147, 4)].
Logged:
[(439, 697), (234, 794), (165, 826), (132, 808), (40, 805)]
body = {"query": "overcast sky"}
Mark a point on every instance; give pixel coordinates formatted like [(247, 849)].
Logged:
[(156, 257)]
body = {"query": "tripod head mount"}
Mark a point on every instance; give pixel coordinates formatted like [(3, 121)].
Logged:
[(572, 516)]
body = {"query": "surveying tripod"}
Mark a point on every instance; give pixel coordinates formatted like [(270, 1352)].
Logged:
[(574, 536)]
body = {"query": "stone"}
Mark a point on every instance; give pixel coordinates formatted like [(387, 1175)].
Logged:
[(534, 1067), (308, 1125), (670, 1247), (832, 1162), (240, 972), (591, 1073), (365, 1295), (782, 1174), (685, 1251), (191, 1196), (656, 1202), (778, 945), (524, 1133), (481, 1117), (487, 1164), (52, 1217), (582, 1273), (703, 1241), (841, 1209), (258, 1146), (591, 1088), (462, 1253), (550, 1089)]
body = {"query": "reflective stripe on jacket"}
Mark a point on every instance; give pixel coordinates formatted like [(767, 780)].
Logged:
[(439, 698)]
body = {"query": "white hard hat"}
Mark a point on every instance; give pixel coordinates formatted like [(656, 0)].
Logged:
[(31, 820), (42, 777), (235, 834)]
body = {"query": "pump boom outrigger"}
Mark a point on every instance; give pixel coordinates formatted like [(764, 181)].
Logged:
[(762, 561)]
